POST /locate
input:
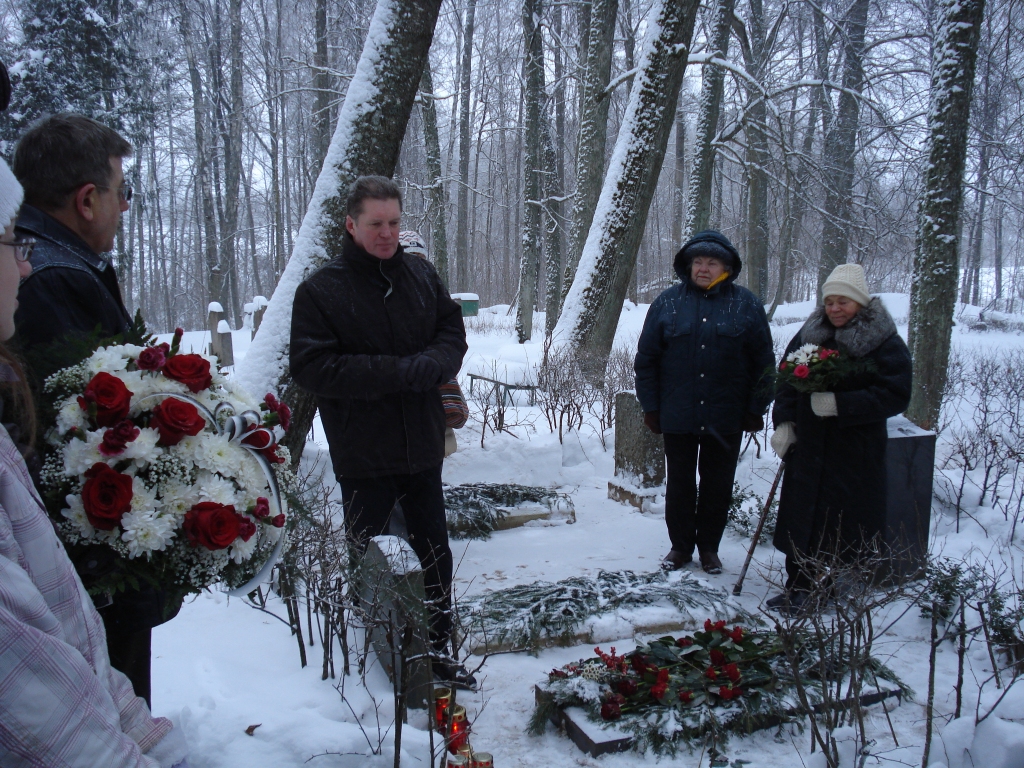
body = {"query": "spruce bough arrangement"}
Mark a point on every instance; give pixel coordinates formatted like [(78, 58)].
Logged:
[(700, 686), (475, 509)]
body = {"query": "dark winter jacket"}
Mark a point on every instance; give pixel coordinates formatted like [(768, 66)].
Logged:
[(833, 490), (352, 321), (71, 291), (704, 358)]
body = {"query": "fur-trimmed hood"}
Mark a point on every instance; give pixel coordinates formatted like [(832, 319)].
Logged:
[(871, 327)]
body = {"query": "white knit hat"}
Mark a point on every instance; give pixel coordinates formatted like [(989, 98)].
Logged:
[(847, 280), (11, 195)]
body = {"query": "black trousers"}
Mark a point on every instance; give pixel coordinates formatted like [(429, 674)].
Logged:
[(129, 651), (369, 504), (699, 518)]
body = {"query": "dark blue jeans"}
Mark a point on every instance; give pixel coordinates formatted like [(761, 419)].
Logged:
[(369, 505), (698, 518)]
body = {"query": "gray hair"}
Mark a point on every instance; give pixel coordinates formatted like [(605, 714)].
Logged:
[(60, 153), (371, 188)]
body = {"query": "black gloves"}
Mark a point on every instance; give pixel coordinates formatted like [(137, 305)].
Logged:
[(752, 422), (419, 372), (653, 421)]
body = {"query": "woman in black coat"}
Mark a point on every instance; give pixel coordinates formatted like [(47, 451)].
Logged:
[(834, 488)]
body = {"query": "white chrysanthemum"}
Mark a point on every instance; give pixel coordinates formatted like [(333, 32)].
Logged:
[(240, 397), (109, 359), (217, 454), (144, 448), (214, 488), (143, 498), (71, 415), (250, 477), (242, 550), (80, 455), (76, 514), (146, 531), (178, 498), (144, 386)]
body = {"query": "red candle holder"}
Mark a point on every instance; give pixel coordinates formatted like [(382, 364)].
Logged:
[(442, 702), (458, 729)]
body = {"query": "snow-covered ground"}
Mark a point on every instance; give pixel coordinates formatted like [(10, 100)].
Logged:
[(221, 665)]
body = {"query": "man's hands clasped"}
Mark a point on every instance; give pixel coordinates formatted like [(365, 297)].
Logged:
[(419, 372)]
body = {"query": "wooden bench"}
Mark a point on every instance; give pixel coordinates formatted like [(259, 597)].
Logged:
[(506, 389)]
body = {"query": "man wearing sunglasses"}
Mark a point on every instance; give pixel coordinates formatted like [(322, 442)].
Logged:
[(75, 193), (70, 167)]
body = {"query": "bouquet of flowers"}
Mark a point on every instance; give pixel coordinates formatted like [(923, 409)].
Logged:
[(811, 368), (160, 458)]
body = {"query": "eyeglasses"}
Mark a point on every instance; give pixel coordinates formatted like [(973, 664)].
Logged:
[(124, 191), (22, 248)]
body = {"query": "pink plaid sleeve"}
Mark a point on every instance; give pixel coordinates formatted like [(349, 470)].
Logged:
[(61, 705)]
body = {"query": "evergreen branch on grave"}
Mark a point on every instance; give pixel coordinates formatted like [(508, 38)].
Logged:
[(474, 510), (525, 615), (700, 688)]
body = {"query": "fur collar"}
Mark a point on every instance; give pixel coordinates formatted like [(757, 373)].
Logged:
[(869, 329)]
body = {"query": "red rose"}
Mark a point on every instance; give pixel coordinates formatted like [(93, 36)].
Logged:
[(174, 419), (115, 440), (270, 454), (710, 672), (638, 664), (191, 370), (684, 642), (801, 371), (610, 711), (214, 526), (658, 690), (717, 657), (718, 626), (111, 398), (784, 366), (825, 354), (284, 413), (662, 676), (627, 687), (106, 496), (246, 528), (737, 634), (732, 671), (152, 359), (686, 696), (278, 521), (262, 508)]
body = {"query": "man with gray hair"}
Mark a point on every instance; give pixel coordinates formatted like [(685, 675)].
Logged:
[(374, 332)]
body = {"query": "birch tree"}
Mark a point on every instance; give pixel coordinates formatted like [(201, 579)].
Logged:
[(933, 294), (594, 303), (438, 199), (367, 140)]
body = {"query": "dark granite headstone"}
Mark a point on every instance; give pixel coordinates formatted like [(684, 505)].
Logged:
[(910, 461)]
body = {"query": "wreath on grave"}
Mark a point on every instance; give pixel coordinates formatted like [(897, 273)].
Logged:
[(700, 686), (476, 509)]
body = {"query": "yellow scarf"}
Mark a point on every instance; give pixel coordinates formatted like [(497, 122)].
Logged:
[(721, 278)]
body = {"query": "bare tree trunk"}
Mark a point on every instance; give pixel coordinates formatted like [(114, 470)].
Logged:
[(367, 140), (989, 104), (703, 167), (933, 293), (233, 160), (438, 207), (594, 303), (462, 259), (553, 230), (204, 187), (841, 146), (679, 182), (322, 86), (593, 135), (533, 98)]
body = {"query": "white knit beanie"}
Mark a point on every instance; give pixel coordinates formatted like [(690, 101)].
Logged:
[(847, 280), (11, 195)]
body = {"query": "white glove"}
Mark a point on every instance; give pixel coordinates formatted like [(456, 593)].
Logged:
[(784, 438), (824, 404)]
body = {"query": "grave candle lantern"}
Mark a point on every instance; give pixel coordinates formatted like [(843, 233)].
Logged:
[(482, 760), (459, 729), (442, 701)]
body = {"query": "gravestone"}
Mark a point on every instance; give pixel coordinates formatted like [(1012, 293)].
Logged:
[(225, 344), (391, 589), (639, 455), (909, 464)]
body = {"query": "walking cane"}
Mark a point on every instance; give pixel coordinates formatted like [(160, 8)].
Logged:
[(760, 527)]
